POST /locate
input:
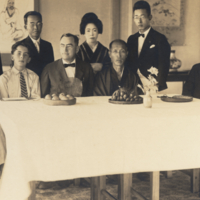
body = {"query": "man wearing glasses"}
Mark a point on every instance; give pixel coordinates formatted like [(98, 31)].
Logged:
[(148, 48), (41, 50), (116, 74)]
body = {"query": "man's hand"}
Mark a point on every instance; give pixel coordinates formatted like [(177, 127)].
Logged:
[(96, 67)]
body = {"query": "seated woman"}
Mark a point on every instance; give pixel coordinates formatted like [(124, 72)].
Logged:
[(19, 81), (91, 50), (117, 74), (192, 85)]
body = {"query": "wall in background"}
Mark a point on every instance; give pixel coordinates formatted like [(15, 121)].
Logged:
[(63, 16)]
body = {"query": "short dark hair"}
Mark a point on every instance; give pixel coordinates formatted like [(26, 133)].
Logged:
[(90, 18), (31, 13), (76, 39), (14, 48), (20, 43), (142, 5), (119, 41)]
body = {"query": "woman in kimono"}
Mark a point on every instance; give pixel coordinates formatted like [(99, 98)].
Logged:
[(91, 50)]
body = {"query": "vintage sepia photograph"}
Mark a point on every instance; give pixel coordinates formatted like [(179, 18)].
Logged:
[(99, 99)]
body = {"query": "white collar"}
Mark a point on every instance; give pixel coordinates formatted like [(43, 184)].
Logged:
[(64, 62), (16, 71), (146, 32), (34, 41)]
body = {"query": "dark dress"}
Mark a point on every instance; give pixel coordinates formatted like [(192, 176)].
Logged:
[(107, 82), (99, 56)]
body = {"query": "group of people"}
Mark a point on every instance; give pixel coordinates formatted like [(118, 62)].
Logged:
[(90, 67)]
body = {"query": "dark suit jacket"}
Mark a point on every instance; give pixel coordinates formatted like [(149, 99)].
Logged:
[(192, 85), (41, 59), (54, 75), (158, 56)]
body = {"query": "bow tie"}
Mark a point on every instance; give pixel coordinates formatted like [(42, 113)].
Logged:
[(70, 65), (141, 34)]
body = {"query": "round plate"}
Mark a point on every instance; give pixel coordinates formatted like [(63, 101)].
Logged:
[(125, 102), (59, 102), (176, 98)]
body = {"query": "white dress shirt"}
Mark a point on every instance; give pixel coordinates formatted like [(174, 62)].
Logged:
[(10, 83), (70, 71), (36, 43), (141, 40)]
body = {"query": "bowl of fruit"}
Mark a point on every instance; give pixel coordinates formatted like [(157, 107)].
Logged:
[(124, 96), (58, 100)]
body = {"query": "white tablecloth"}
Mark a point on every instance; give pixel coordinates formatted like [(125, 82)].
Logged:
[(94, 138)]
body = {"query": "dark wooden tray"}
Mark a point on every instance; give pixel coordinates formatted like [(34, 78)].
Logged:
[(177, 99), (59, 102), (125, 102)]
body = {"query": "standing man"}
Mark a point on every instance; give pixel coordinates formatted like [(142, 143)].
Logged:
[(41, 50), (57, 76), (148, 47)]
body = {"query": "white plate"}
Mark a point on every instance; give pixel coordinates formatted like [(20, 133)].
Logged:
[(15, 99)]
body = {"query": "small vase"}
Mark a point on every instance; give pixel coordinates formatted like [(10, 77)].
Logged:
[(147, 100), (175, 63)]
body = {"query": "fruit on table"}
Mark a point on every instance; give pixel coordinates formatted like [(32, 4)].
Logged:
[(55, 97), (61, 96), (48, 97), (122, 94), (70, 97)]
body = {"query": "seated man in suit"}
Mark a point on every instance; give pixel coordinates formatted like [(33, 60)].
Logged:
[(56, 76), (192, 85), (41, 50), (148, 48), (115, 74), (19, 81)]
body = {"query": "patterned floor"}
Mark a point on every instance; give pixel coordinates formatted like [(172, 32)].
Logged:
[(175, 188)]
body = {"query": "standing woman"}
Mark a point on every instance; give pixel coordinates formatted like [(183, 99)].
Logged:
[(91, 50)]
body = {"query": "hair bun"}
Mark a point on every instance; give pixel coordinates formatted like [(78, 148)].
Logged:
[(90, 18)]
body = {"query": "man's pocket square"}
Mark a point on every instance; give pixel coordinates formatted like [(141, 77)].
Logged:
[(152, 46)]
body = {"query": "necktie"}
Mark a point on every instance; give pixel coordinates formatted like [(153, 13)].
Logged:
[(37, 46), (141, 34), (70, 65), (24, 92)]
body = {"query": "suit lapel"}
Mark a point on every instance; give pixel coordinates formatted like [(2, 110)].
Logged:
[(79, 70), (42, 45), (61, 68), (32, 46), (147, 43)]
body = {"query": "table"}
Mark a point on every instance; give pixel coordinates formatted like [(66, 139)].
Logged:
[(95, 138)]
